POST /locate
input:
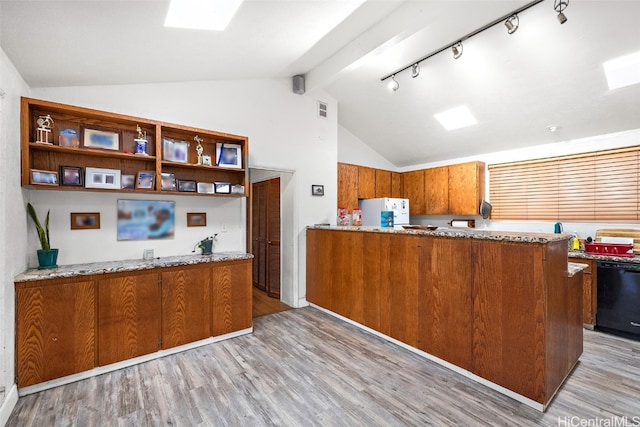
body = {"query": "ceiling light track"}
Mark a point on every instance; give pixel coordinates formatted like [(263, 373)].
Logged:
[(458, 43)]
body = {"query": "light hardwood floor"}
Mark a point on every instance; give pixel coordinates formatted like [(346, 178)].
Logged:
[(263, 304), (302, 367)]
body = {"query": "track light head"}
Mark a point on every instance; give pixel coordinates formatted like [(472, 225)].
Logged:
[(512, 23), (560, 6), (393, 84), (415, 70), (457, 50)]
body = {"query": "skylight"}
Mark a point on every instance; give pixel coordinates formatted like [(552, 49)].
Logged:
[(623, 71), (212, 15), (456, 118)]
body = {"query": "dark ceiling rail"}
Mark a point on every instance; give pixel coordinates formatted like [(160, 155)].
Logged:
[(466, 37)]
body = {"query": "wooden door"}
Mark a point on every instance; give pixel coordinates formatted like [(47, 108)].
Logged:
[(186, 305), (273, 237), (266, 236), (347, 186), (231, 300), (413, 183), (436, 190), (55, 331), (383, 183), (259, 234), (466, 188), (129, 308), (366, 183)]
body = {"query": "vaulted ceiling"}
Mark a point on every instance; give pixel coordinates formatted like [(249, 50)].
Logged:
[(516, 85)]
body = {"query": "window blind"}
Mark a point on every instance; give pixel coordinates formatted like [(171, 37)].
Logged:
[(602, 186)]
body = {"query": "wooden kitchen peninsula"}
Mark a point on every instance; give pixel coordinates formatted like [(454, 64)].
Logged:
[(498, 307)]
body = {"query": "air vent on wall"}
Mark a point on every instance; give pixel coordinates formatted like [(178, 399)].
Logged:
[(322, 110)]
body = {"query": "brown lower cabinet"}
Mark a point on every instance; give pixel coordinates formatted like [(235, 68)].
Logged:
[(504, 311), (589, 291), (69, 325)]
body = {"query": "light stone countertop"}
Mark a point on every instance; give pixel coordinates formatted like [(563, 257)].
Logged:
[(574, 268), (611, 258), (74, 270), (471, 233)]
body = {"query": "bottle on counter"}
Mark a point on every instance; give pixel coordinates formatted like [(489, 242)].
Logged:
[(357, 217), (575, 242)]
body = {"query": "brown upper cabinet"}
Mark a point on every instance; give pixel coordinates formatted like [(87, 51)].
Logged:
[(366, 182), (347, 186), (383, 183), (413, 185), (436, 190), (396, 185), (81, 138), (466, 188)]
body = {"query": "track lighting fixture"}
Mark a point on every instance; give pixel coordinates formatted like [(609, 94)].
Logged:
[(393, 84), (560, 6), (415, 70), (512, 23), (457, 50)]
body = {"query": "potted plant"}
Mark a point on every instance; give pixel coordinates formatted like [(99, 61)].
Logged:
[(47, 257), (207, 244)]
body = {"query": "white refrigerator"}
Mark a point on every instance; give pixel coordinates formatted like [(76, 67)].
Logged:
[(372, 209)]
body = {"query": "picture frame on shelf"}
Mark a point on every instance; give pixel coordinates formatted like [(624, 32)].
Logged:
[(317, 190), (205, 188), (44, 177), (229, 155), (72, 176), (206, 160), (222, 187), (168, 182), (175, 151), (68, 137), (145, 180), (102, 178), (237, 189), (196, 219), (187, 185), (101, 139), (128, 182), (85, 220)]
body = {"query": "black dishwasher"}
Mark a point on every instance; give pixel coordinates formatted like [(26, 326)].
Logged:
[(619, 299)]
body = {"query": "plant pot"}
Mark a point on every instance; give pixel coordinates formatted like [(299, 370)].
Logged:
[(47, 259), (207, 247)]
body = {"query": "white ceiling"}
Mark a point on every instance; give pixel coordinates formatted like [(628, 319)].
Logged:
[(516, 85)]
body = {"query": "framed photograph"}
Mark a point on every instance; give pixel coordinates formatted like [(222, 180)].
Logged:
[(175, 151), (206, 160), (168, 182), (222, 187), (187, 185), (145, 219), (41, 177), (85, 220), (205, 187), (68, 137), (71, 175), (102, 178), (128, 182), (102, 139), (198, 219), (229, 155), (237, 189), (145, 180), (317, 190)]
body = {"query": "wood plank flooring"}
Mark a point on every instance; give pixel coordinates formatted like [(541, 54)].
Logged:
[(303, 367), (264, 304)]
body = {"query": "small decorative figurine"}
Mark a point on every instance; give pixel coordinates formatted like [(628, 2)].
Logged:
[(44, 129), (141, 141), (199, 148)]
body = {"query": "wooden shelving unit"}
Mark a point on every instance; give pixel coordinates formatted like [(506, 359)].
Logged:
[(38, 156)]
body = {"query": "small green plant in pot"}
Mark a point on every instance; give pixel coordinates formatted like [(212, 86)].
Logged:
[(47, 257)]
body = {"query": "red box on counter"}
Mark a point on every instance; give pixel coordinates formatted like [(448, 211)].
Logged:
[(612, 249)]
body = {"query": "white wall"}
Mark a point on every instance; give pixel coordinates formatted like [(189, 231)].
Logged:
[(13, 225), (284, 134), (351, 149)]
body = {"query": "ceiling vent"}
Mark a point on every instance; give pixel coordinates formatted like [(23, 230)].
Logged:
[(322, 110)]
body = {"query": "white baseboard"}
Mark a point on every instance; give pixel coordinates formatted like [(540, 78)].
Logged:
[(9, 402)]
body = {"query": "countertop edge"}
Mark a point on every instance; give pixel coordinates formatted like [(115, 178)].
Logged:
[(123, 266), (574, 268)]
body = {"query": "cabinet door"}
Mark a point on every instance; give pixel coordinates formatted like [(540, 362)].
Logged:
[(346, 274), (383, 183), (445, 312), (319, 268), (436, 190), (55, 331), (589, 293), (366, 182), (396, 185), (347, 186), (466, 188), (414, 191), (231, 297), (129, 310), (186, 305)]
